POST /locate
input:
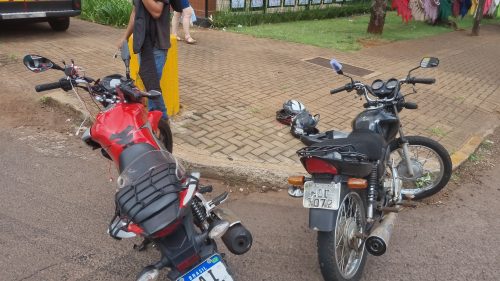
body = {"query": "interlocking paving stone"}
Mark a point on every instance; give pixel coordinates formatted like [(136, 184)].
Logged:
[(231, 84)]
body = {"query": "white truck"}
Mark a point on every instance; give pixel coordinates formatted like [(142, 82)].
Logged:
[(55, 12)]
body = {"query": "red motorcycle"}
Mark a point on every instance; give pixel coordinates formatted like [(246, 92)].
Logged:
[(156, 198)]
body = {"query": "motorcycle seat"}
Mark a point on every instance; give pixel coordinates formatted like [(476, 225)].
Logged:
[(133, 152), (363, 141), (320, 137)]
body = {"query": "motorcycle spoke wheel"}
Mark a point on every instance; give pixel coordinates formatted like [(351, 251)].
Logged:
[(349, 248), (430, 163), (342, 253)]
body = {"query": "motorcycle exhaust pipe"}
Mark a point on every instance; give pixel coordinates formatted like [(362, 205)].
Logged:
[(378, 241), (238, 239)]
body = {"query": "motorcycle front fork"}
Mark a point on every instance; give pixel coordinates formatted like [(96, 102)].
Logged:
[(404, 144), (406, 153)]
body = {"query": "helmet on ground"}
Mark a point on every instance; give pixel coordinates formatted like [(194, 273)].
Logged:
[(304, 124), (290, 109)]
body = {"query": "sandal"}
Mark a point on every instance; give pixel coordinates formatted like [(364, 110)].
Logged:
[(190, 40), (178, 38)]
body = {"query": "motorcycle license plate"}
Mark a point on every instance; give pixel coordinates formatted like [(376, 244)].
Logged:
[(212, 269), (321, 195)]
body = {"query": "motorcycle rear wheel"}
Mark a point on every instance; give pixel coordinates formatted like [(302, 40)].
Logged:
[(341, 252), (431, 164), (164, 134)]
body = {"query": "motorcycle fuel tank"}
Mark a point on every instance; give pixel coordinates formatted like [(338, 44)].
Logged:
[(377, 120), (120, 126)]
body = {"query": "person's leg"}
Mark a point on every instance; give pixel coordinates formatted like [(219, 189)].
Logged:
[(175, 24), (158, 103), (186, 22)]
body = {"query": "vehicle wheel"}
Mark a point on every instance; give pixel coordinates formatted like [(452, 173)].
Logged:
[(341, 253), (59, 24), (164, 134), (431, 166)]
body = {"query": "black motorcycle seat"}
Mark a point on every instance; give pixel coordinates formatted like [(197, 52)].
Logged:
[(363, 141), (132, 152)]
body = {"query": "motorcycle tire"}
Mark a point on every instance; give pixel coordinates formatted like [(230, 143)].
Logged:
[(328, 254), (443, 156), (165, 135)]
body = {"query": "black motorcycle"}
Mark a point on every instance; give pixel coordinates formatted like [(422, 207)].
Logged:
[(360, 180)]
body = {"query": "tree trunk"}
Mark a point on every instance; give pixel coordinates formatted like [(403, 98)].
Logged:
[(377, 18), (477, 19)]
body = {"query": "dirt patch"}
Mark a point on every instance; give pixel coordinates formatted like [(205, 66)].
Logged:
[(372, 42), (472, 171)]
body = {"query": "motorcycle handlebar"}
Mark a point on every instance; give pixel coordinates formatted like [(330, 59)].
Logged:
[(341, 89), (415, 80), (63, 84), (48, 86)]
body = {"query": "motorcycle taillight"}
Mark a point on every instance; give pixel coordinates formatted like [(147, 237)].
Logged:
[(167, 230), (317, 166), (186, 264)]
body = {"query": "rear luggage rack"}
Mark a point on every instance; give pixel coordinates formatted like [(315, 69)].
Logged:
[(159, 185), (346, 152)]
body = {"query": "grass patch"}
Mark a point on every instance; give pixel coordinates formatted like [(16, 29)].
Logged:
[(475, 157), (438, 132), (108, 12), (349, 34)]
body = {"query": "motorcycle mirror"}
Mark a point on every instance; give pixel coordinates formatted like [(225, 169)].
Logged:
[(37, 63), (336, 66), (429, 62)]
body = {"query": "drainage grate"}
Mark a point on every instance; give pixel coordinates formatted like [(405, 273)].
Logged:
[(347, 68)]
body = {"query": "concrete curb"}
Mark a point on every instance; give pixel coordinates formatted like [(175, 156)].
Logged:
[(252, 172)]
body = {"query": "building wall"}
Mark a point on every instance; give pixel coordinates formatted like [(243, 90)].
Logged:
[(257, 6)]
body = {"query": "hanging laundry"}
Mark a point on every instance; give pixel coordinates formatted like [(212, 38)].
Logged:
[(403, 9), (473, 7), (455, 9), (464, 7), (431, 10), (487, 5), (417, 10), (493, 7), (445, 10)]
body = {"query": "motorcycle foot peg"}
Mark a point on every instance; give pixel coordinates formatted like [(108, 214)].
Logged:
[(205, 189), (143, 246)]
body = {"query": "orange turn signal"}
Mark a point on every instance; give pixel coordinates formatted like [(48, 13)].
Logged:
[(357, 183), (296, 180)]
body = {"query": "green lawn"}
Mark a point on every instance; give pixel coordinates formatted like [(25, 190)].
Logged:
[(349, 34)]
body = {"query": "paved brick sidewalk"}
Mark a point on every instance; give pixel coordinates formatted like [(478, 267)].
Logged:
[(232, 85)]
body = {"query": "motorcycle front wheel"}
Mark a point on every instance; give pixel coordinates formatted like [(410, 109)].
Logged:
[(164, 134), (431, 165), (341, 252)]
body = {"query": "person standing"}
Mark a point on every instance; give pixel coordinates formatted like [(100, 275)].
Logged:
[(187, 13), (150, 23)]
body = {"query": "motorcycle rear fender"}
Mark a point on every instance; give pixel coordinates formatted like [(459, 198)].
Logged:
[(322, 220), (154, 118)]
